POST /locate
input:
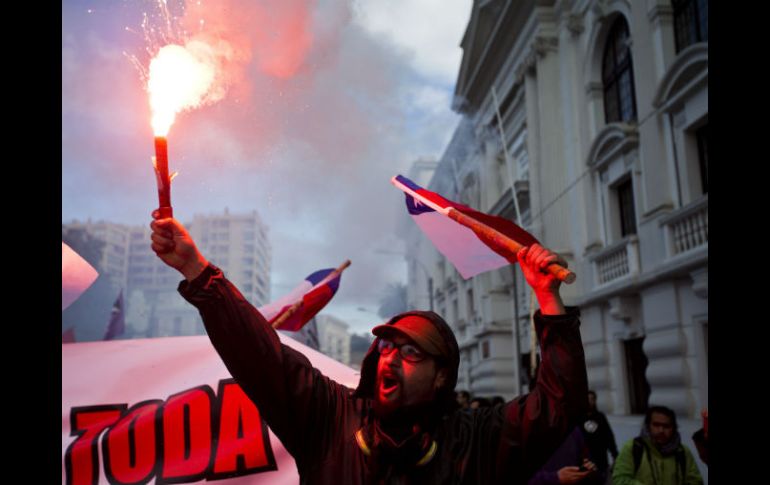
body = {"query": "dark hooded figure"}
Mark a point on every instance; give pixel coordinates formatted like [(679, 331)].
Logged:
[(401, 425)]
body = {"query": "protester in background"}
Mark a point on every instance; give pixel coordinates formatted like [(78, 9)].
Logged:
[(480, 402), (497, 400), (701, 438), (598, 436), (657, 456), (464, 400)]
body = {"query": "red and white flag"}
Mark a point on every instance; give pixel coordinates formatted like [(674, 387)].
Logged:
[(76, 275), (471, 252), (303, 302)]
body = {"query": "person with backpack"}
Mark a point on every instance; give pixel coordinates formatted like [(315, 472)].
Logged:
[(657, 456)]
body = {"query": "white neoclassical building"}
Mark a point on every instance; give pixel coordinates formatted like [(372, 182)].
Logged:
[(588, 119)]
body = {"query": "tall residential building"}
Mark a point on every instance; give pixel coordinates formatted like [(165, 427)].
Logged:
[(237, 243), (587, 122), (333, 338), (113, 261)]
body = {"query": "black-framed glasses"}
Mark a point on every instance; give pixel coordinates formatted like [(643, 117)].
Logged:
[(408, 351)]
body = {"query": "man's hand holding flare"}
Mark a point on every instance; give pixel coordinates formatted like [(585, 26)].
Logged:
[(174, 246)]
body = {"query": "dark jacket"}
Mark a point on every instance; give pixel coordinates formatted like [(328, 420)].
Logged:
[(599, 438), (316, 418), (572, 452)]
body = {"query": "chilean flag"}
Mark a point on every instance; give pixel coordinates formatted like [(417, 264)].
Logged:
[(470, 252), (312, 295), (76, 275)]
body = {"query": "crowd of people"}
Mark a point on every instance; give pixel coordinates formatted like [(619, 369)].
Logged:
[(590, 456)]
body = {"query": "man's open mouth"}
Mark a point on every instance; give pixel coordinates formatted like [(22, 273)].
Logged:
[(389, 384)]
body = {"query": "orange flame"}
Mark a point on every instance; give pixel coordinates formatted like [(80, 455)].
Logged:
[(180, 78)]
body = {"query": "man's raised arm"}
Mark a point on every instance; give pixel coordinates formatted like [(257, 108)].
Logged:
[(538, 422), (291, 395)]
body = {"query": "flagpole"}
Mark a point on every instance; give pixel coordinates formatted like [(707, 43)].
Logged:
[(507, 158), (287, 314), (532, 336), (502, 241), (514, 196), (293, 309)]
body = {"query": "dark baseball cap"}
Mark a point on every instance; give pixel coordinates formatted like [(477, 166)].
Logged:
[(420, 330)]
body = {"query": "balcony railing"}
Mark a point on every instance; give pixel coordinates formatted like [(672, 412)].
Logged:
[(687, 228), (616, 261)]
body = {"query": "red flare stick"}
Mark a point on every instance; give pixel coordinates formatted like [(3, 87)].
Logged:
[(164, 181)]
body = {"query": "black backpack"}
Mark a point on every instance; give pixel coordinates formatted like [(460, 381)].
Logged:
[(640, 447)]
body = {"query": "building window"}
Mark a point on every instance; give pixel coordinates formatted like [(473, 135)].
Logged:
[(701, 135), (617, 75), (471, 309), (625, 193), (691, 22), (485, 349)]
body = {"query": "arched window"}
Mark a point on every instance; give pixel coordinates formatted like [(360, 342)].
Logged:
[(618, 75), (691, 22)]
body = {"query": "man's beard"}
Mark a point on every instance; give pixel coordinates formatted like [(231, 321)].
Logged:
[(383, 410), (401, 421)]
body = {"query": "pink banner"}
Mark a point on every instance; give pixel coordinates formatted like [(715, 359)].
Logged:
[(166, 408)]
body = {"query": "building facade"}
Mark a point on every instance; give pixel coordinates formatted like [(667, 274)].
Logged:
[(587, 122), (238, 244)]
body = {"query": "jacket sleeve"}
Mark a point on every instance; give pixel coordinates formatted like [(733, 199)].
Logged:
[(623, 471), (538, 422), (544, 477), (295, 399)]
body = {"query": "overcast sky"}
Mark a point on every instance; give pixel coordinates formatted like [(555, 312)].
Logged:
[(328, 100)]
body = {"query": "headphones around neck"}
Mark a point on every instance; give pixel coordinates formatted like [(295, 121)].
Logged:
[(427, 456)]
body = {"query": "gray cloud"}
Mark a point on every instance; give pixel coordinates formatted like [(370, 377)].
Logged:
[(312, 151)]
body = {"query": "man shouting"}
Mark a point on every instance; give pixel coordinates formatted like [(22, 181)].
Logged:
[(401, 424)]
